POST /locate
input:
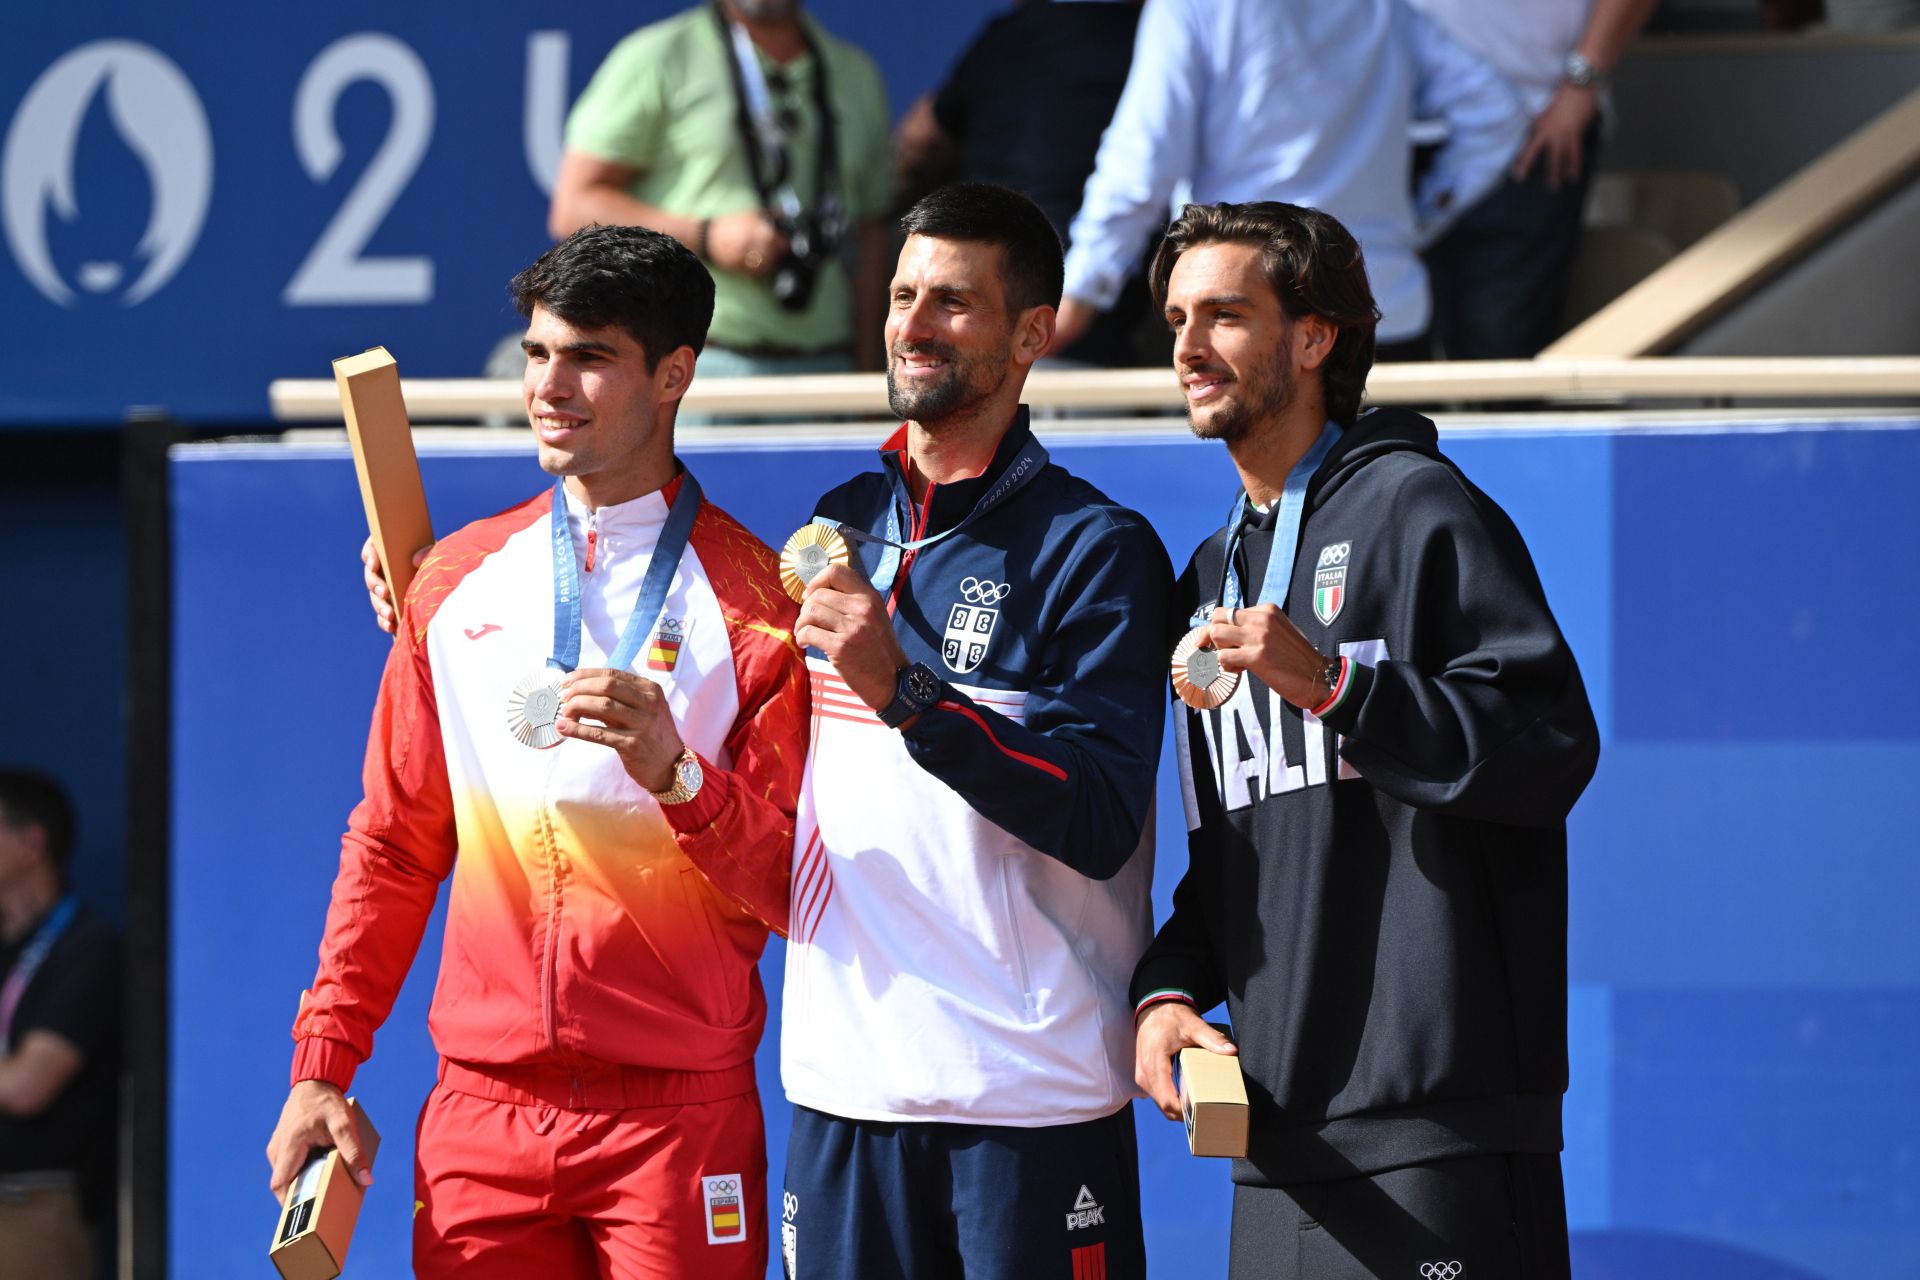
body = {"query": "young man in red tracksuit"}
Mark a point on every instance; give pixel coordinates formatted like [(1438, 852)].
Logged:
[(595, 701)]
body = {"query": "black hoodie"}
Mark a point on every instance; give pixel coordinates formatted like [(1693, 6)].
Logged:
[(1382, 903)]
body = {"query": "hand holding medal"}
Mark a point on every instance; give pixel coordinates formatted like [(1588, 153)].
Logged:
[(1201, 677), (626, 713), (535, 704), (1259, 639)]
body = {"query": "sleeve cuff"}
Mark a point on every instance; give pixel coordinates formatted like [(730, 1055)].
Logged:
[(699, 813), (318, 1058), (1341, 710), (1161, 996)]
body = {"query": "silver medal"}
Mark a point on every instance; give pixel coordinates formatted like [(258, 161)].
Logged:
[(532, 709)]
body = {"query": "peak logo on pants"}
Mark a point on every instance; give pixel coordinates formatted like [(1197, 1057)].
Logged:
[(1087, 1212)]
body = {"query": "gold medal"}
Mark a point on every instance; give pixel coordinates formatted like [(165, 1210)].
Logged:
[(808, 553), (1198, 678)]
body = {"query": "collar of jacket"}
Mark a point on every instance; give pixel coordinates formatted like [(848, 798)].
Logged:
[(952, 502)]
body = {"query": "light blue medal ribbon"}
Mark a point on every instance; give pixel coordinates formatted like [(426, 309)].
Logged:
[(653, 588), (1028, 463), (1286, 531), (533, 707), (1199, 680)]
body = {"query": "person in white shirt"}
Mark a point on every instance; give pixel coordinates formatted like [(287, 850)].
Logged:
[(1499, 275), (1306, 103)]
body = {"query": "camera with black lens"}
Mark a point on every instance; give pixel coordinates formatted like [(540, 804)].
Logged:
[(813, 237)]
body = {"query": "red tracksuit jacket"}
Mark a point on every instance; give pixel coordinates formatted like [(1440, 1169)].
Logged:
[(586, 925)]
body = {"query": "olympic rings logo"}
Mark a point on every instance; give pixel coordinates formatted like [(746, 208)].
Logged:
[(1440, 1270), (721, 1186), (980, 591)]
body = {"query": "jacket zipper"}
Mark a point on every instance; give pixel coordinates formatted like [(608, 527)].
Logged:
[(906, 560), (1029, 1011), (593, 536), (549, 979)]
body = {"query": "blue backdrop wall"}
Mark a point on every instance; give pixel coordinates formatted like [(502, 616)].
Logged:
[(197, 199), (1745, 967)]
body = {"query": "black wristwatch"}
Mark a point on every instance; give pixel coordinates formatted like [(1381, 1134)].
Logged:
[(915, 689), (1330, 676)]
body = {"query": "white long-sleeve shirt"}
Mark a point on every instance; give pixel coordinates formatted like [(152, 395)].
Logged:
[(1307, 103), (1527, 41)]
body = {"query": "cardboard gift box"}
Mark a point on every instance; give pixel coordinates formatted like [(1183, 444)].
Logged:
[(316, 1222), (1213, 1100)]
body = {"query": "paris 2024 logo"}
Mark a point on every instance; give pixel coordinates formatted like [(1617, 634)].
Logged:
[(158, 116)]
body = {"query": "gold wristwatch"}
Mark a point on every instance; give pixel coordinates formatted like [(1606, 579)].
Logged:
[(687, 777)]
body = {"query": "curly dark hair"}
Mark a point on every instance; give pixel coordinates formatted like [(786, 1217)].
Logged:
[(1315, 266), (641, 281)]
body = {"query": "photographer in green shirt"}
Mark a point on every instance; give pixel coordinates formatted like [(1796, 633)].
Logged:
[(749, 133)]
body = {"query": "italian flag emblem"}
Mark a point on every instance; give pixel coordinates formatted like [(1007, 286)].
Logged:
[(1330, 581), (663, 651), (1329, 593)]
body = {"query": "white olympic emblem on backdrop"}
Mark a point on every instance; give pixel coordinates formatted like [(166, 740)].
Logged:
[(980, 591), (158, 116), (1440, 1270)]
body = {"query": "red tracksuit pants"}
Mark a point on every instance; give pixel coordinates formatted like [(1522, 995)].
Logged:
[(531, 1171)]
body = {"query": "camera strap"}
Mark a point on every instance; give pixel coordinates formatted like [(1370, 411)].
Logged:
[(765, 138)]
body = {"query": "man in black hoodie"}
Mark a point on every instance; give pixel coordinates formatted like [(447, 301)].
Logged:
[(1377, 884)]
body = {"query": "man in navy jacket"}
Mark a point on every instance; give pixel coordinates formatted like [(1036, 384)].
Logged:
[(973, 862)]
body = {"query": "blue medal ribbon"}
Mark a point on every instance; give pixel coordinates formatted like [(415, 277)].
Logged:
[(1028, 463), (674, 535), (1286, 532), (32, 956)]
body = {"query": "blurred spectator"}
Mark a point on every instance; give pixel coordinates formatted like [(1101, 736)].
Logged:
[(59, 1031), (1297, 101), (1872, 15), (753, 136), (1024, 108), (1500, 274)]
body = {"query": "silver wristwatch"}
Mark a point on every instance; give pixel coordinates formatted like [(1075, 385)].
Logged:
[(687, 777), (1579, 71)]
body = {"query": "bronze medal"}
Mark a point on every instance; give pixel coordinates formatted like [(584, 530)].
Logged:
[(1198, 678), (808, 553)]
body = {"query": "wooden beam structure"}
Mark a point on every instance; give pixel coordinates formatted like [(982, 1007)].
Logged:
[(1119, 391), (1755, 245)]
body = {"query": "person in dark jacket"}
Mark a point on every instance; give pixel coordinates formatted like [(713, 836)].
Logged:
[(1377, 884), (1024, 106)]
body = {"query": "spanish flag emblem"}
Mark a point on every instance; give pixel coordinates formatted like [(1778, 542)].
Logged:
[(726, 1208), (663, 650)]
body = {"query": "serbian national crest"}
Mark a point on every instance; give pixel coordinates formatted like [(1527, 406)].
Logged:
[(970, 624), (1330, 581)]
